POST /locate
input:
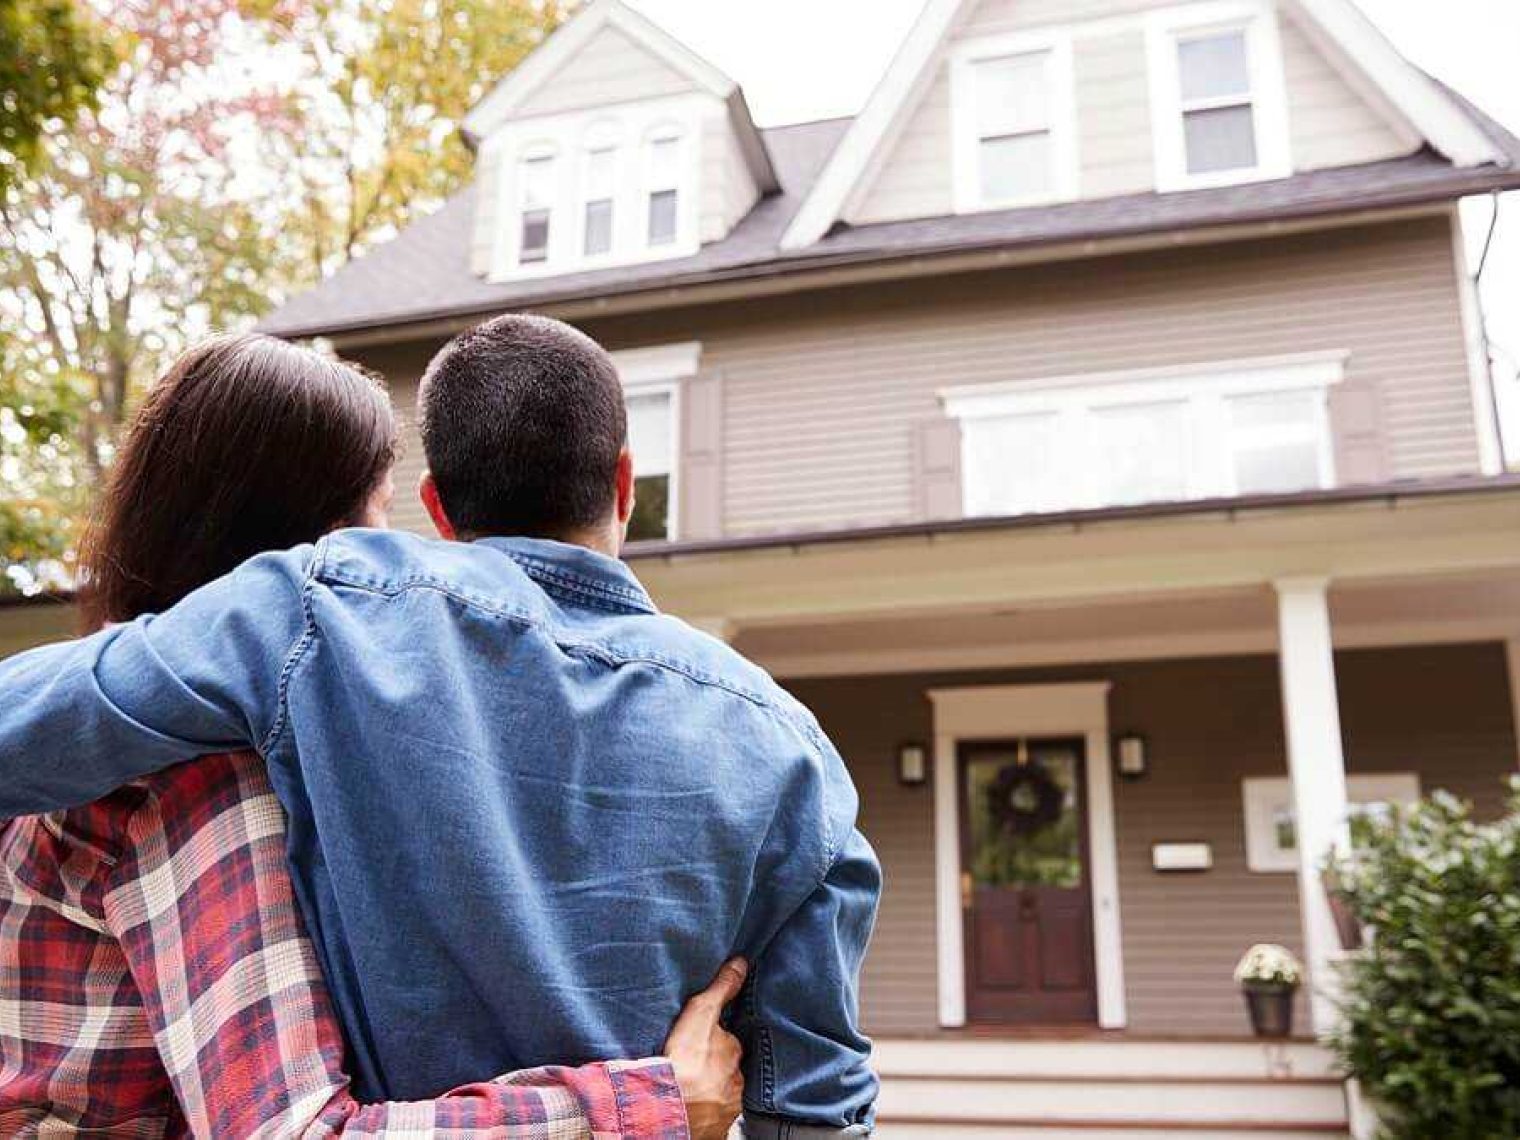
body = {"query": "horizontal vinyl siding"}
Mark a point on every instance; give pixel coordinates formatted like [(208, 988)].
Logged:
[(915, 178), (821, 391), (993, 17), (1442, 712), (402, 366), (1329, 123), (610, 69), (1114, 115)]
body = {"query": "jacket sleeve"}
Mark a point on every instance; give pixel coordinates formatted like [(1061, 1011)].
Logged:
[(81, 718), (807, 1064)]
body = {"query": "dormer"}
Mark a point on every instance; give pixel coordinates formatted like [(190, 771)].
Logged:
[(612, 144)]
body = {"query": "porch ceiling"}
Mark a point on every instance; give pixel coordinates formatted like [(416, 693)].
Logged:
[(1420, 569)]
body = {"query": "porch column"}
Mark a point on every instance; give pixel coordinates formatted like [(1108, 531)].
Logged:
[(1317, 765)]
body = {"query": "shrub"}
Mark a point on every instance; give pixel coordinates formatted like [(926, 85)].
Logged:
[(1432, 1006)]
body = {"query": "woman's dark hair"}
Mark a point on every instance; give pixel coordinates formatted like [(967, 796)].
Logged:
[(247, 444)]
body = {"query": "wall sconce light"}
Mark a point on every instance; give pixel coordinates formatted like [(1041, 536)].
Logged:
[(912, 764), (1132, 756)]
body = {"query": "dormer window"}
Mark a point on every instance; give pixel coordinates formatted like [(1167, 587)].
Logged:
[(664, 189), (1014, 123), (1218, 97), (536, 182), (599, 211)]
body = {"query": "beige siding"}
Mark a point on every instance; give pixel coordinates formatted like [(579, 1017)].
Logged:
[(729, 190), (914, 180), (822, 391), (488, 214), (994, 17), (610, 69), (402, 366), (1329, 123), (1442, 712), (1114, 115)]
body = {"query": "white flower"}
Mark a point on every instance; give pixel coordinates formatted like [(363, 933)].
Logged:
[(1270, 963)]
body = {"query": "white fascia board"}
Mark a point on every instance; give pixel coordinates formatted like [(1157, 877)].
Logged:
[(1430, 110), (899, 88), (539, 67)]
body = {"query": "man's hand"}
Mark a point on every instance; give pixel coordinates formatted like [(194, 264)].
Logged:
[(706, 1057)]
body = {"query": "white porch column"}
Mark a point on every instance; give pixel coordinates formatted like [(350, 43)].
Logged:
[(1317, 765)]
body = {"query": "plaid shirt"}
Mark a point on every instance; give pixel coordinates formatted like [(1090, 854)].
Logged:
[(156, 980)]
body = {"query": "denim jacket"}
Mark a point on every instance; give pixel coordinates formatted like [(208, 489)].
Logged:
[(528, 814)]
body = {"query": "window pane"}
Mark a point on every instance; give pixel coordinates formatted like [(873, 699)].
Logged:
[(535, 236), (651, 508), (1015, 168), (1214, 67), (1140, 453), (1283, 467), (662, 217), (665, 164), (598, 227), (538, 183), (1222, 139), (1013, 94), (1011, 465), (650, 434)]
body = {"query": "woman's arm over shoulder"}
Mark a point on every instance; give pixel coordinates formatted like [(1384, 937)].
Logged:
[(241, 1015)]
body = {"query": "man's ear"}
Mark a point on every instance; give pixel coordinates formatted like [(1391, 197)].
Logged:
[(625, 498), (428, 490)]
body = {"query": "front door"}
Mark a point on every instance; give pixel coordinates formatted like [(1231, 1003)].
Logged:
[(1025, 897)]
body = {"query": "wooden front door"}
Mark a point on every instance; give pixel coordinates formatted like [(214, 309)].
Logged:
[(1025, 895)]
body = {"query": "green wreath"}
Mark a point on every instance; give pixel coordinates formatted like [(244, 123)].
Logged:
[(1025, 800)]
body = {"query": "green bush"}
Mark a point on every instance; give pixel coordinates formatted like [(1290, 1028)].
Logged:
[(1432, 1006)]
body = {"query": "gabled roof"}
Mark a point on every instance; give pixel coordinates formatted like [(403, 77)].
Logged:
[(561, 47), (1352, 39)]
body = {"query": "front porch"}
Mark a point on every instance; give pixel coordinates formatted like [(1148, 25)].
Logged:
[(1279, 664)]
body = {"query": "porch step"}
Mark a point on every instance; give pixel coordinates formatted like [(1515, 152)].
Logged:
[(1108, 1090)]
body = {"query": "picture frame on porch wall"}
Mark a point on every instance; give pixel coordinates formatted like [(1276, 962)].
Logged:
[(1271, 847)]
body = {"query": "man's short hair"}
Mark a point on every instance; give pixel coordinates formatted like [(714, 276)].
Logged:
[(522, 421)]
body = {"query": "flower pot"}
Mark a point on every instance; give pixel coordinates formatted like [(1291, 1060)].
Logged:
[(1271, 1008)]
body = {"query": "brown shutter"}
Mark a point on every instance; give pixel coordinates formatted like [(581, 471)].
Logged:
[(937, 468), (701, 471), (1361, 454)]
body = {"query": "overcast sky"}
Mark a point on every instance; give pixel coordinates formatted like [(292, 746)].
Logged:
[(814, 59)]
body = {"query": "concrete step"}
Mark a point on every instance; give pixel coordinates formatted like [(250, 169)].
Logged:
[(1035, 1130)]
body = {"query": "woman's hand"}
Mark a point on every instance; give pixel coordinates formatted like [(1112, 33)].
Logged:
[(706, 1057)]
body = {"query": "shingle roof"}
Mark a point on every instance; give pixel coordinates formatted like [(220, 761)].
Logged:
[(424, 273)]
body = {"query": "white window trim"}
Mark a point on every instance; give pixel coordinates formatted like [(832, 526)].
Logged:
[(569, 137), (1066, 175), (604, 134), (663, 369), (1261, 796), (1002, 712), (1210, 385), (1269, 90)]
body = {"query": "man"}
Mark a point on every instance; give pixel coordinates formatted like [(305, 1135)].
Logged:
[(528, 813)]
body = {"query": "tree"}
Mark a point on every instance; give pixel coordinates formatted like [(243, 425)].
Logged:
[(52, 58), (238, 148)]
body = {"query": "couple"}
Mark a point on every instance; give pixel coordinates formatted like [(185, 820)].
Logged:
[(525, 815)]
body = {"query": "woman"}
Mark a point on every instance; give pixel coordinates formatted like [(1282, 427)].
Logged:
[(155, 976)]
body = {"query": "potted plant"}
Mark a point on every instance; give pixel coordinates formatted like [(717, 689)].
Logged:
[(1269, 977)]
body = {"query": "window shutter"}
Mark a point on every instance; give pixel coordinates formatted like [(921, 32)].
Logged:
[(937, 468), (1356, 424), (487, 213), (701, 475)]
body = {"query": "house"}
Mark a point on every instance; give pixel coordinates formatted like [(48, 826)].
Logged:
[(1096, 433)]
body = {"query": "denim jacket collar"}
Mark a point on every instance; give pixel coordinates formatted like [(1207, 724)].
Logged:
[(576, 573)]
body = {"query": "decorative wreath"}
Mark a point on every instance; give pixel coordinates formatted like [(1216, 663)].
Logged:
[(1025, 800)]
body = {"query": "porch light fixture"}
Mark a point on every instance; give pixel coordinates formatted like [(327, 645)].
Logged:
[(1131, 756), (912, 764)]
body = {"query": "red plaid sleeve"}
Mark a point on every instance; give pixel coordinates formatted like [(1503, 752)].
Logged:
[(202, 905)]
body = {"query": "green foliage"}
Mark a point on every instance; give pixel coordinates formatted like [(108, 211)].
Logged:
[(1432, 1008), (52, 58)]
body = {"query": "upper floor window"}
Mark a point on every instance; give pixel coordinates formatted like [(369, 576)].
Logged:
[(536, 208), (1146, 438), (1218, 96), (664, 189), (1014, 124), (599, 208)]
